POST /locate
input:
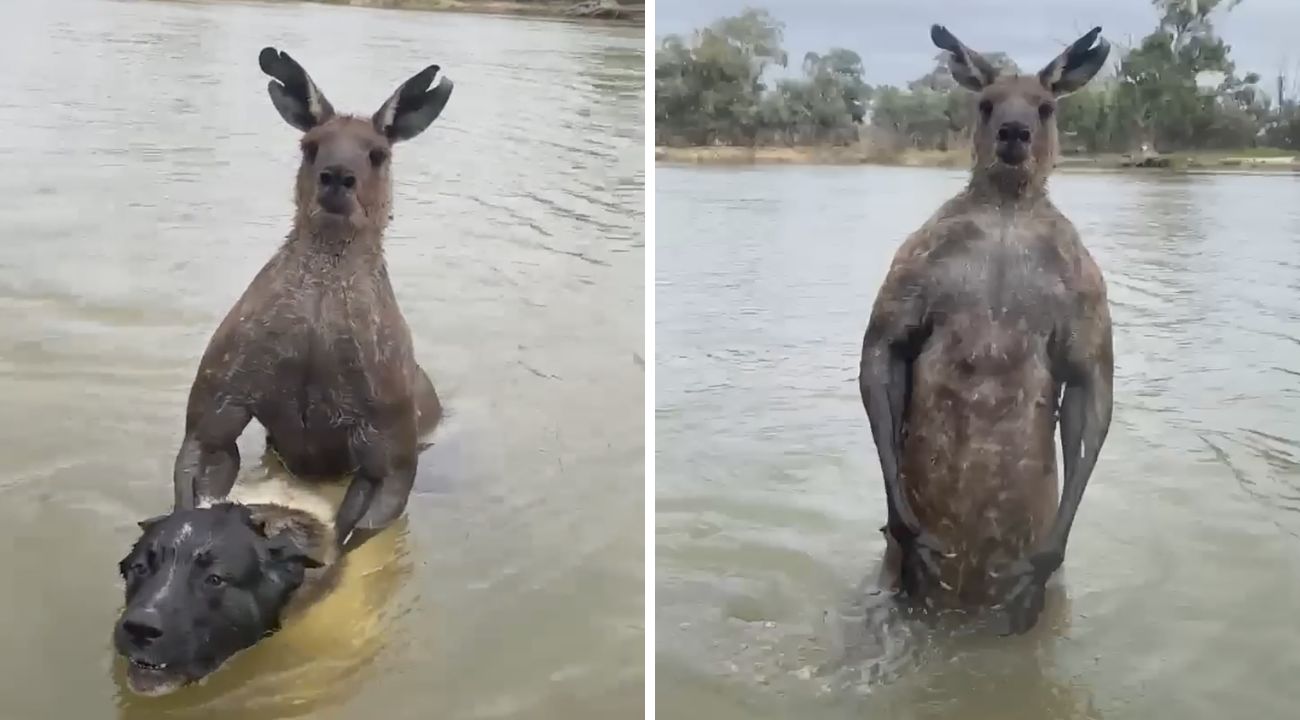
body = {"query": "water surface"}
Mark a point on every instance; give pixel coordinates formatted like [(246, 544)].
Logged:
[(1183, 570), (148, 178)]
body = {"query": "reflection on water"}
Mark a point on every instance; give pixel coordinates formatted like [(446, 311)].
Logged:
[(150, 178), (770, 498)]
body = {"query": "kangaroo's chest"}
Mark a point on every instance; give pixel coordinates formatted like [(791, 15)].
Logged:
[(329, 348), (997, 273), (317, 330)]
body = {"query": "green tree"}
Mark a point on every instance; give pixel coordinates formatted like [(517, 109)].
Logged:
[(1159, 94), (710, 89), (839, 73), (707, 90), (1177, 89), (1085, 121)]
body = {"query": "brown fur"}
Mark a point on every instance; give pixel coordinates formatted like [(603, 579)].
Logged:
[(987, 313), (315, 537), (317, 349)]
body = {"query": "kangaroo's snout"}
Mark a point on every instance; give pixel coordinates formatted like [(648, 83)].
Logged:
[(1013, 132), (1013, 142), (336, 190), (337, 176)]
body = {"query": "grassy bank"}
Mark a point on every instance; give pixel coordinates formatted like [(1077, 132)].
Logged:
[(809, 155), (1262, 159), (607, 10)]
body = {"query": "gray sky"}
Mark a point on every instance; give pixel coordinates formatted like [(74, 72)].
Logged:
[(892, 36)]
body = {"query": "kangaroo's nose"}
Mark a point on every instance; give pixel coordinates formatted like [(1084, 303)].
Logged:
[(1013, 132), (337, 176), (142, 626)]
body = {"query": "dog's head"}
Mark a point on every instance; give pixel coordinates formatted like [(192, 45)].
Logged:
[(201, 585)]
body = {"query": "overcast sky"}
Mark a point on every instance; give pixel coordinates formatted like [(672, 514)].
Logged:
[(893, 38)]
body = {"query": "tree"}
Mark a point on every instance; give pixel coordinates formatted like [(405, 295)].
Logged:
[(1177, 89), (710, 89), (838, 74), (1159, 90)]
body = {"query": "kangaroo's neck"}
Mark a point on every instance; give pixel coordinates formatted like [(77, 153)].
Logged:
[(1007, 190), (335, 238)]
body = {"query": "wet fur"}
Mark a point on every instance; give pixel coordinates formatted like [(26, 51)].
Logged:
[(989, 312), (287, 522), (1003, 293), (308, 519), (316, 349)]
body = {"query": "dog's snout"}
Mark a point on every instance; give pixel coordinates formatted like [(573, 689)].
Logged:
[(142, 626), (337, 176), (1013, 132)]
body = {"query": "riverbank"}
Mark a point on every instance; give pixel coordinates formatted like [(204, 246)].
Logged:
[(631, 13), (1252, 159)]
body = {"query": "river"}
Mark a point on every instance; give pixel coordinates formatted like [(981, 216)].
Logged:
[(1180, 584), (147, 180)]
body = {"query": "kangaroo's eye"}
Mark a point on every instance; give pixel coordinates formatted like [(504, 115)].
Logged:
[(1045, 110), (378, 157), (309, 151), (986, 108)]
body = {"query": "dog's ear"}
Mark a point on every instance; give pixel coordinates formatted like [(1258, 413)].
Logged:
[(258, 524), (245, 514), (284, 549), (287, 563), (147, 524), (138, 547)]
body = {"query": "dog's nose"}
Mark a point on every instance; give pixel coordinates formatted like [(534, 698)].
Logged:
[(337, 176), (142, 626), (1013, 131)]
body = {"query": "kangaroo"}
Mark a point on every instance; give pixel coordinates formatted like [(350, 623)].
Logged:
[(317, 349), (992, 322)]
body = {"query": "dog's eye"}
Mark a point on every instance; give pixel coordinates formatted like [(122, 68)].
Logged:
[(214, 580), (378, 157)]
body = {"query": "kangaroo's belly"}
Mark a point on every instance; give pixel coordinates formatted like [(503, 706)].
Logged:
[(312, 412), (979, 462), (311, 451)]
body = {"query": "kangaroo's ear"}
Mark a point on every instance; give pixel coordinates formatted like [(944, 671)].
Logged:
[(295, 96), (968, 67), (1072, 69), (413, 106)]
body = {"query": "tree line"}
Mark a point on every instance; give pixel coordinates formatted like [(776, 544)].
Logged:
[(1175, 90)]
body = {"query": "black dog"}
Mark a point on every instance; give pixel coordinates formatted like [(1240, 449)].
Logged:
[(203, 584)]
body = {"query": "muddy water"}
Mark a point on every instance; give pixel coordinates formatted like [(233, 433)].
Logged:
[(146, 180), (1180, 589)]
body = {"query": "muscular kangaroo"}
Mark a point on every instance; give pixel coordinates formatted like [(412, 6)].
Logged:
[(991, 324), (317, 349)]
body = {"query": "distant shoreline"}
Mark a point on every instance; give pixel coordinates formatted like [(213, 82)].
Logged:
[(588, 10), (1252, 160)]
